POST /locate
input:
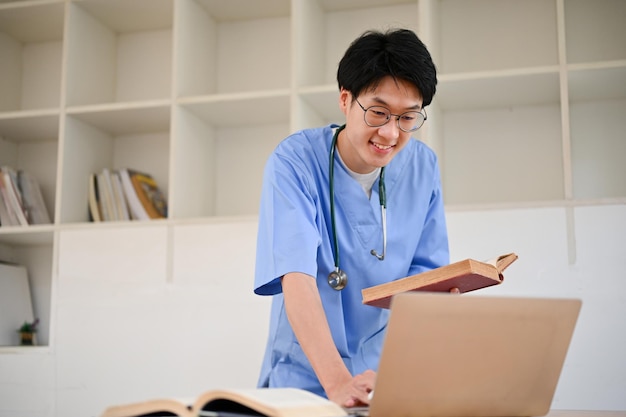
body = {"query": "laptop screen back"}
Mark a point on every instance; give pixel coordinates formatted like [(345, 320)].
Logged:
[(450, 355)]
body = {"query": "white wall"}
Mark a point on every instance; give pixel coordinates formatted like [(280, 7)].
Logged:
[(585, 260)]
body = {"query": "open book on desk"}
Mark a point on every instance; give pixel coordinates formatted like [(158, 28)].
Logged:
[(269, 402), (467, 275)]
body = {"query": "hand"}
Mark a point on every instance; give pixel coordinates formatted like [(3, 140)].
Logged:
[(354, 392), (455, 290)]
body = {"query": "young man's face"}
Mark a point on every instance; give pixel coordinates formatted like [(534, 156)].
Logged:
[(364, 148)]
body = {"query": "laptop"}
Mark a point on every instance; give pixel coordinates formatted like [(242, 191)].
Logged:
[(469, 356)]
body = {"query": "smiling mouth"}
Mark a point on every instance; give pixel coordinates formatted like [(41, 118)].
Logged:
[(381, 147)]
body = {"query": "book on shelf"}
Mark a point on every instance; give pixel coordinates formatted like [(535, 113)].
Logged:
[(145, 197), (105, 192), (32, 198), (94, 199), (150, 195), (12, 195), (21, 200), (125, 194), (136, 208), (7, 216), (121, 207), (466, 275), (269, 402)]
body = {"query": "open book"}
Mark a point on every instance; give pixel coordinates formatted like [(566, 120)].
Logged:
[(467, 275), (270, 402)]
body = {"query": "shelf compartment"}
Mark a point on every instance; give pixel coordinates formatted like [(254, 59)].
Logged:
[(34, 249), (244, 149), (597, 103), (126, 137), (536, 86), (218, 165), (318, 107), (30, 143), (592, 30), (193, 166), (232, 47), (484, 35), (324, 30), (598, 148), (31, 50), (119, 51), (502, 155)]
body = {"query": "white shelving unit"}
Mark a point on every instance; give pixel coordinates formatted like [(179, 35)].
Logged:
[(530, 105), (529, 101)]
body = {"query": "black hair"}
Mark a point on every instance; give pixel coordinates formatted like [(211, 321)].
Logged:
[(398, 53)]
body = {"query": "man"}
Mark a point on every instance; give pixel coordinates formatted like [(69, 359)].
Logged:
[(322, 213)]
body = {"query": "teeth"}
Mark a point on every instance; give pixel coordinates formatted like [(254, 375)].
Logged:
[(381, 147)]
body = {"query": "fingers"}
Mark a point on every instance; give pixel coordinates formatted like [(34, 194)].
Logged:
[(363, 385), (357, 391), (455, 290)]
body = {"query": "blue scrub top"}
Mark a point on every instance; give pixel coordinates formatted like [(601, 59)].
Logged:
[(295, 235)]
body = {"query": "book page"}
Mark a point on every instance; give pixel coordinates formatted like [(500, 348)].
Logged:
[(503, 261), (274, 402)]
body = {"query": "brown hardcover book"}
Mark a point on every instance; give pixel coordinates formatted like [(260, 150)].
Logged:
[(467, 275), (270, 402)]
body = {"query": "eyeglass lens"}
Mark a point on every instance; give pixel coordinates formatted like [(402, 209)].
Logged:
[(408, 122)]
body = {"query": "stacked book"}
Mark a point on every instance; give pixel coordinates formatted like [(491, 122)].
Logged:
[(125, 194), (21, 201)]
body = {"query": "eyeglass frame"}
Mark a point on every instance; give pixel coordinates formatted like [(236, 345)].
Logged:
[(397, 116)]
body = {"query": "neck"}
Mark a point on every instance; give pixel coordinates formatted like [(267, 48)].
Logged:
[(346, 154)]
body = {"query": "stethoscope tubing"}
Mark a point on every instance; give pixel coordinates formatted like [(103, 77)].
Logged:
[(338, 279)]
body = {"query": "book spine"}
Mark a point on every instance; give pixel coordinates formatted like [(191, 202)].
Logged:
[(118, 194), (94, 199), (105, 199)]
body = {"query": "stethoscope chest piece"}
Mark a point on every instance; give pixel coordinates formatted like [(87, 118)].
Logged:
[(337, 279)]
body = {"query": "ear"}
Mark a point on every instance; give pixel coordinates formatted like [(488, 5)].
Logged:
[(345, 98)]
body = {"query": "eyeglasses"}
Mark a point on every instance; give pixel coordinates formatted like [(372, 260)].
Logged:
[(376, 116)]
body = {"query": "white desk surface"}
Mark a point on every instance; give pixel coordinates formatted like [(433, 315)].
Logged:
[(586, 413)]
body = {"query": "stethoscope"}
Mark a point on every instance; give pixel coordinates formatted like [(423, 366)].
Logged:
[(338, 279)]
